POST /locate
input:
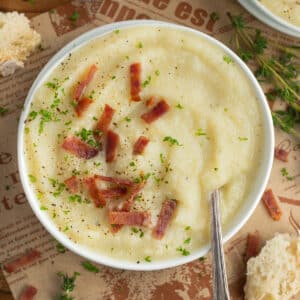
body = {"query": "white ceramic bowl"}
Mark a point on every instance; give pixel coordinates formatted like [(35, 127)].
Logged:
[(243, 214), (267, 17)]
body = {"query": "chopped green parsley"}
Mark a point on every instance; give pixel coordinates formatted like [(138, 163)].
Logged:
[(74, 16), (183, 251), (200, 132), (32, 178), (146, 82), (90, 267), (285, 174), (171, 141), (148, 259), (179, 106), (227, 59)]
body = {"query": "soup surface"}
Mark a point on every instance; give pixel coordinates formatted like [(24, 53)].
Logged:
[(201, 128)]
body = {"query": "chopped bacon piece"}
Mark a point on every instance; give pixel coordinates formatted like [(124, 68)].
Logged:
[(28, 293), (115, 192), (22, 261), (135, 81), (116, 227), (289, 200), (104, 121), (112, 144), (253, 245), (165, 216), (272, 205), (156, 112), (72, 184), (79, 148), (140, 145), (133, 218), (82, 105), (281, 154), (150, 102), (118, 181), (99, 201), (79, 90), (134, 191)]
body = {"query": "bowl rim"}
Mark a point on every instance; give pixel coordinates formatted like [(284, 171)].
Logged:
[(103, 259), (268, 17)]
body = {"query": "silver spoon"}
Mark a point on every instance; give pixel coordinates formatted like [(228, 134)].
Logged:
[(220, 284)]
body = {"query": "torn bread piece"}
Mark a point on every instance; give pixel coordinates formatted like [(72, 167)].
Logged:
[(17, 41), (275, 273)]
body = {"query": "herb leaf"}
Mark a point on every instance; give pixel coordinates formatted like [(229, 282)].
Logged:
[(90, 267)]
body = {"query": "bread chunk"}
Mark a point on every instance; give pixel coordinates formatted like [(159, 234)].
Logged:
[(17, 41), (275, 273)]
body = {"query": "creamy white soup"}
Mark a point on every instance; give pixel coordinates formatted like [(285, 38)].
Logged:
[(201, 126), (288, 10)]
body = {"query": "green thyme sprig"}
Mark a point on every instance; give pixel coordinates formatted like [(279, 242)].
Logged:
[(67, 286), (280, 70)]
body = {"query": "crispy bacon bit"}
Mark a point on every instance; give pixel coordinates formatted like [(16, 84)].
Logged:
[(135, 81), (165, 216), (115, 192), (82, 105), (156, 112), (134, 191), (272, 205), (79, 148), (140, 145), (133, 218), (104, 121), (281, 154), (112, 144), (91, 184), (79, 90), (28, 293), (22, 261), (253, 245), (72, 184), (150, 102), (289, 200), (117, 181)]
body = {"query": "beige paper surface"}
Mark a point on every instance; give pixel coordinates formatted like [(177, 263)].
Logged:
[(19, 228)]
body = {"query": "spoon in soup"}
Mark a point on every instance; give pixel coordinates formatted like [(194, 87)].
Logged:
[(220, 284)]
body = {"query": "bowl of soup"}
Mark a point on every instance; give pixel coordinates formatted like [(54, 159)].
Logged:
[(282, 15), (127, 130)]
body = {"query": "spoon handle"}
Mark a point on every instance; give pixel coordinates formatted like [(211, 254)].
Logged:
[(220, 284)]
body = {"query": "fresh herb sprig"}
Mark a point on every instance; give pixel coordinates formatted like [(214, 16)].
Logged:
[(67, 286), (280, 70)]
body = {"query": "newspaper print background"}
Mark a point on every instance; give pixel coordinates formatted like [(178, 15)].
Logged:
[(19, 228)]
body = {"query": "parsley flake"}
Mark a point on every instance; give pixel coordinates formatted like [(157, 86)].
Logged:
[(32, 178), (183, 251), (187, 241), (285, 174), (146, 82), (90, 267), (242, 139), (139, 45), (74, 16), (171, 141), (148, 259), (200, 132), (227, 59), (3, 110), (60, 248), (179, 106)]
